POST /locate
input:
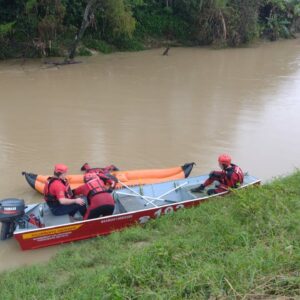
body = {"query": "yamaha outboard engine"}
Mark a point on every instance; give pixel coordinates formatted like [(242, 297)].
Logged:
[(11, 212)]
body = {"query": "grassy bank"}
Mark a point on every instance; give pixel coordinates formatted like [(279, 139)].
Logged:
[(243, 246)]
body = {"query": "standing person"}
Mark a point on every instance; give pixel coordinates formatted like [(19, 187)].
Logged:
[(59, 196), (101, 202), (230, 176)]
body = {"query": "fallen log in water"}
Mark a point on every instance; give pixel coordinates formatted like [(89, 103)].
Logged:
[(63, 63), (166, 51)]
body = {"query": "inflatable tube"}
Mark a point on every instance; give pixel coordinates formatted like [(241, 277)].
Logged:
[(130, 178)]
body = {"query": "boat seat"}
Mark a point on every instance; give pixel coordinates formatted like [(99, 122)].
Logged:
[(119, 209), (192, 195), (181, 194), (51, 220), (186, 194), (128, 203)]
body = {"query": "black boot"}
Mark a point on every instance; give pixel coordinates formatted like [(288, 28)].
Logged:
[(211, 192), (85, 167), (198, 189)]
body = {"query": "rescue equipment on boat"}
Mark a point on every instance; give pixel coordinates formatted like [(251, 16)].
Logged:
[(130, 178)]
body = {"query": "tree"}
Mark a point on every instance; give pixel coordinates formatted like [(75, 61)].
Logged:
[(88, 16), (114, 13)]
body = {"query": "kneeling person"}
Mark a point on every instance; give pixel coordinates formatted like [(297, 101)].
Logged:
[(101, 202), (230, 176)]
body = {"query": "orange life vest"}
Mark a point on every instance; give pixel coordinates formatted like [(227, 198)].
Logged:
[(96, 186)]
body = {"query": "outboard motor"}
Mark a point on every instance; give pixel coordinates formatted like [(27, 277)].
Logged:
[(11, 213)]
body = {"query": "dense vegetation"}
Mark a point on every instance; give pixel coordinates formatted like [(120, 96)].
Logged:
[(30, 28), (243, 246)]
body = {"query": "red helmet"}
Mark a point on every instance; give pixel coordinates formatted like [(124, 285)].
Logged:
[(60, 168), (224, 159)]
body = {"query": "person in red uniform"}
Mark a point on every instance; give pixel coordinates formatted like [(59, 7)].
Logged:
[(230, 176), (59, 196), (100, 201), (87, 169)]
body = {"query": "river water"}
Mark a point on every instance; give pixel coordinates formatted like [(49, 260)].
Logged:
[(145, 110)]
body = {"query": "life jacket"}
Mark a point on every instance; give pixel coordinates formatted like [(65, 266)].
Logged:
[(89, 176), (234, 176), (96, 186), (50, 198), (107, 179)]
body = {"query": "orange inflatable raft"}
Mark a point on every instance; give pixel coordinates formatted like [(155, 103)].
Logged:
[(130, 178)]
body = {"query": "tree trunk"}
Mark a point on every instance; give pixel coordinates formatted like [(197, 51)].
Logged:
[(223, 25), (84, 25)]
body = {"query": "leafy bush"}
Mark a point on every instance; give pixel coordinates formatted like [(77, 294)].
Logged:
[(278, 17), (6, 28), (125, 43), (82, 51), (161, 22), (98, 45)]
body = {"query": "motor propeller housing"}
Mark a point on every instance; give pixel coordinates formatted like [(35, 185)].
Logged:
[(11, 208)]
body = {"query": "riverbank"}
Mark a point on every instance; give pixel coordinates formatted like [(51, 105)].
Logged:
[(39, 29), (245, 245)]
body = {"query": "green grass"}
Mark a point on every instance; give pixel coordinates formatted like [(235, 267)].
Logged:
[(243, 246)]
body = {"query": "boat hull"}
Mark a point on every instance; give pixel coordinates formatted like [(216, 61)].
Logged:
[(91, 228)]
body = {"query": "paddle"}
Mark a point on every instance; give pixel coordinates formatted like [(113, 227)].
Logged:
[(152, 198), (172, 190), (130, 189)]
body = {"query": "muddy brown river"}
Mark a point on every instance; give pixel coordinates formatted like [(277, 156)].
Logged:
[(145, 110)]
